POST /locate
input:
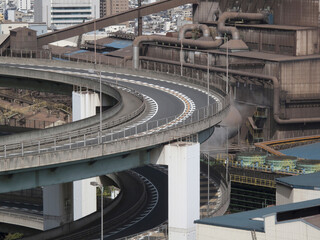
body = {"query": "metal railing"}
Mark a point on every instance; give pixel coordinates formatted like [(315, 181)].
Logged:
[(253, 181)]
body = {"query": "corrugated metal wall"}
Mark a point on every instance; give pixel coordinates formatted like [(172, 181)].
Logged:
[(297, 12), (270, 41), (286, 12), (301, 77)]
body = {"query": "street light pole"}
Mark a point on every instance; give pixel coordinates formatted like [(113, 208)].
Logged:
[(181, 58), (100, 108), (208, 79), (100, 186), (208, 184), (227, 63), (227, 160), (95, 40)]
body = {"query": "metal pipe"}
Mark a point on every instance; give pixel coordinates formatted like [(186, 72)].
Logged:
[(236, 15), (168, 40), (190, 27), (276, 90)]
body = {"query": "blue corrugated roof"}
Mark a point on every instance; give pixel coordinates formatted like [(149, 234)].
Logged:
[(72, 53), (244, 220), (310, 151), (59, 59), (305, 181), (119, 44)]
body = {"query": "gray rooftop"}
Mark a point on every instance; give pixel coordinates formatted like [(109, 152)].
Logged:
[(304, 181), (244, 220)]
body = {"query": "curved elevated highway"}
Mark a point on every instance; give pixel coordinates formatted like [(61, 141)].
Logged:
[(171, 110)]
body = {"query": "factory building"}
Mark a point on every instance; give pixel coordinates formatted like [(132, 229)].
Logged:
[(298, 188), (296, 216)]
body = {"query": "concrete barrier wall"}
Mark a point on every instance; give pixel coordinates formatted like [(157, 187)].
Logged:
[(131, 143), (25, 220)]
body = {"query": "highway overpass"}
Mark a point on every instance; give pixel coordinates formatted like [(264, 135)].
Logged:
[(48, 157)]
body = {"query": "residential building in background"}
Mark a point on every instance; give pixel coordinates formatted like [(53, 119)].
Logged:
[(109, 7), (7, 26), (64, 13), (24, 5)]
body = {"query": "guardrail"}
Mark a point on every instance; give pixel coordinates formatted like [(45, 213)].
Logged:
[(253, 181)]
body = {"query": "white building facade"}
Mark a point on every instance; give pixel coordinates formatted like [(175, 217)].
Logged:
[(64, 13), (24, 5)]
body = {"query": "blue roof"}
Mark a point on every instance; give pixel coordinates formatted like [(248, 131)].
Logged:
[(59, 59), (119, 44), (310, 151), (244, 220), (304, 181), (72, 53)]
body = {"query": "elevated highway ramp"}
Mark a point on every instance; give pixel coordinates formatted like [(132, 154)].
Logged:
[(49, 160)]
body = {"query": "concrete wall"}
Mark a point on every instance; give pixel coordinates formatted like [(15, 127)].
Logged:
[(300, 195), (288, 230), (25, 220), (57, 205), (6, 27), (210, 232), (300, 77), (286, 194), (306, 42)]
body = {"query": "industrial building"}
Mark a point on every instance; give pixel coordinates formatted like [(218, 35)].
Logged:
[(266, 55), (285, 222), (296, 215), (298, 188)]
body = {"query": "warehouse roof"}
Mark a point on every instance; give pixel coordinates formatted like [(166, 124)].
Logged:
[(254, 220), (304, 181)]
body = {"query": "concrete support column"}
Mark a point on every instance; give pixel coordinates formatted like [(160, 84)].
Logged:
[(57, 205), (183, 160), (84, 105), (63, 203)]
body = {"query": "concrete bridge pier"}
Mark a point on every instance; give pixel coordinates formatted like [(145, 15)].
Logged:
[(84, 195), (183, 160), (57, 205), (66, 202)]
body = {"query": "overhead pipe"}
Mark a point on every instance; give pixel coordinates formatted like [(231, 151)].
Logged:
[(222, 28), (276, 90), (190, 27), (168, 40)]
